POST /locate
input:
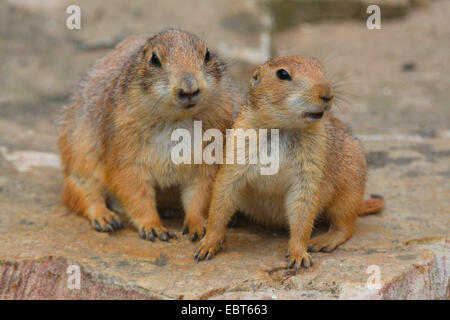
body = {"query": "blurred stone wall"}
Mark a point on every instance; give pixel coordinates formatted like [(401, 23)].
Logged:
[(42, 60)]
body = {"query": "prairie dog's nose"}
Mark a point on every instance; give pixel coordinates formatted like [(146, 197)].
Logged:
[(188, 90), (324, 92)]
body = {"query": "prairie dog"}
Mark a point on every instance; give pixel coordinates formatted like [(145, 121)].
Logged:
[(322, 167), (116, 132)]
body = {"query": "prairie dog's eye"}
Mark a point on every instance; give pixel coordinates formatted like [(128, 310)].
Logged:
[(207, 56), (283, 75), (155, 60)]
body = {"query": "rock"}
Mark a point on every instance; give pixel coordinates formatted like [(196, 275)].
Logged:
[(401, 117), (24, 160), (36, 43), (408, 243), (376, 95), (290, 13)]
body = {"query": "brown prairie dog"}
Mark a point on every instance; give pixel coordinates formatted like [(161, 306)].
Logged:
[(116, 133), (322, 167)]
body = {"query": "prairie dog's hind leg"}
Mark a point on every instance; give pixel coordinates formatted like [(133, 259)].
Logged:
[(86, 197), (343, 213), (138, 198)]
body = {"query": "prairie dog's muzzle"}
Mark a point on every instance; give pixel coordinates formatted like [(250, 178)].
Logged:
[(188, 92)]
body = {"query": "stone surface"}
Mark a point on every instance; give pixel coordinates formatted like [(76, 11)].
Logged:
[(408, 242), (401, 114)]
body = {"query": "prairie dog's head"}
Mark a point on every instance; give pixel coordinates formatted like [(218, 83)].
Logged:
[(292, 92), (177, 72)]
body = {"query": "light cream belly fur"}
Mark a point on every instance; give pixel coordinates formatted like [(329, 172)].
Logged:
[(267, 208), (156, 156), (263, 197), (168, 178)]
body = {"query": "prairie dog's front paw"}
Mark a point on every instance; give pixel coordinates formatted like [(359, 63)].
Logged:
[(299, 258), (208, 248), (106, 221), (195, 228), (150, 232)]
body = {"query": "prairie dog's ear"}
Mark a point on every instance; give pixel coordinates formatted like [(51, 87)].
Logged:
[(317, 62), (147, 46), (256, 77), (145, 50)]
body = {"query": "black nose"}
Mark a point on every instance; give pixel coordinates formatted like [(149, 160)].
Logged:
[(188, 96), (326, 99)]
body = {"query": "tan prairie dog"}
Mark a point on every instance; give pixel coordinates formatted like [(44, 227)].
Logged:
[(116, 132), (322, 167)]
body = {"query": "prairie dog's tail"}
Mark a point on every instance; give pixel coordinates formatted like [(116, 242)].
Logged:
[(373, 205)]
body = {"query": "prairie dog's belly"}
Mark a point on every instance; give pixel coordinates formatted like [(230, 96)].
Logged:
[(263, 198), (269, 212)]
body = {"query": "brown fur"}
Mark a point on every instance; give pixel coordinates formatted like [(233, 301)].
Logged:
[(322, 166), (116, 133)]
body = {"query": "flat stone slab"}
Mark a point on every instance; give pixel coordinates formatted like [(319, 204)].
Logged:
[(408, 243)]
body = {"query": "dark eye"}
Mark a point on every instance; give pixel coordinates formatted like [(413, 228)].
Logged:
[(155, 61), (207, 56), (283, 75)]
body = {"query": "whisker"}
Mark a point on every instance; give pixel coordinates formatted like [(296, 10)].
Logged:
[(346, 93), (345, 103)]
